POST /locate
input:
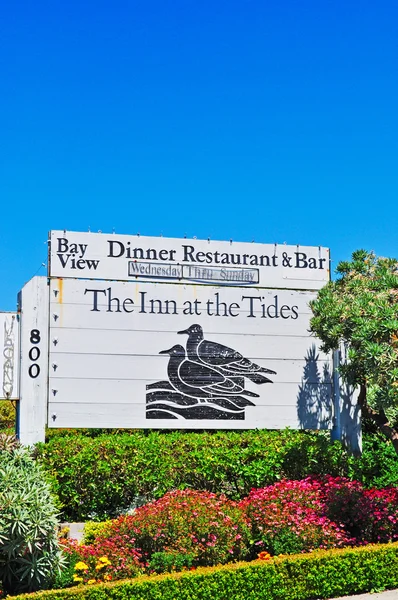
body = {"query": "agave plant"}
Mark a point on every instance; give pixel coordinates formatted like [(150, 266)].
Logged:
[(29, 551)]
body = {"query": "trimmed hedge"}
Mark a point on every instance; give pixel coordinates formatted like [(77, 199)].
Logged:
[(99, 476), (321, 574)]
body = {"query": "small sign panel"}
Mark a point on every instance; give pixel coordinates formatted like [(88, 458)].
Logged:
[(158, 355), (9, 363), (135, 258)]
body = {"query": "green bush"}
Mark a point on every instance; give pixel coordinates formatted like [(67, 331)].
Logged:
[(29, 551), (378, 465), (64, 577), (321, 574), (7, 416), (92, 529), (101, 475), (167, 562)]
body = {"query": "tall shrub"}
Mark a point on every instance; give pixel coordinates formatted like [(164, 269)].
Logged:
[(29, 551)]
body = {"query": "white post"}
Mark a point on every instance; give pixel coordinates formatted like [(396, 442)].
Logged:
[(32, 413), (347, 410)]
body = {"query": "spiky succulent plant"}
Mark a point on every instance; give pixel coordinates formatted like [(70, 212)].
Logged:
[(29, 551)]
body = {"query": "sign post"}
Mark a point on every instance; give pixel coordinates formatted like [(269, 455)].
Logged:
[(32, 413), (9, 346)]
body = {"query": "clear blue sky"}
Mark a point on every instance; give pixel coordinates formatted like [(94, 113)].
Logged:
[(245, 119)]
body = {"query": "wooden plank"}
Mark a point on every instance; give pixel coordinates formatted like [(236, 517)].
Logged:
[(120, 342), (108, 343), (115, 257), (132, 416)]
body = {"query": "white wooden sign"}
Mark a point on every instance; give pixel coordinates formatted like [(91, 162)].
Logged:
[(33, 304), (9, 356), (158, 355), (137, 258)]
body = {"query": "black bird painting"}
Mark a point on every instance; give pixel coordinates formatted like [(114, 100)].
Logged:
[(195, 379), (226, 360), (206, 380)]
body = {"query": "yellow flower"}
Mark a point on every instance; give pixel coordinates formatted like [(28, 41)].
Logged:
[(107, 577), (90, 581), (64, 532), (80, 566), (99, 566), (104, 559), (77, 578)]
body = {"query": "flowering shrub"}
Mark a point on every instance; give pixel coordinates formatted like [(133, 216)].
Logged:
[(185, 529), (105, 561), (378, 515), (93, 572), (339, 499), (371, 516), (322, 512), (207, 527), (288, 517)]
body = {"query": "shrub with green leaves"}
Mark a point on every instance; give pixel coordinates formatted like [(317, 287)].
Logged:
[(167, 562), (93, 529), (320, 574), (7, 415), (99, 475), (29, 551)]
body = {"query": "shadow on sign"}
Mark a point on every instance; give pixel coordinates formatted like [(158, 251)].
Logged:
[(314, 400)]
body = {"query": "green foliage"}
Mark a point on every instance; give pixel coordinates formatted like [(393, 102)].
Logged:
[(100, 477), (361, 309), (7, 415), (29, 552), (321, 574), (64, 577), (93, 529), (167, 562), (378, 465)]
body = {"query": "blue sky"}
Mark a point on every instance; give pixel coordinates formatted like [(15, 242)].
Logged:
[(273, 121)]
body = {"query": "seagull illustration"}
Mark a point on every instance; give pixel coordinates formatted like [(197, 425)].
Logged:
[(225, 360), (198, 380)]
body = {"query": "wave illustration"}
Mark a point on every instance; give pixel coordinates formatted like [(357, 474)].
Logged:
[(164, 404)]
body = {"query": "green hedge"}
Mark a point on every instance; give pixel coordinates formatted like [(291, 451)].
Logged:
[(322, 574), (99, 476)]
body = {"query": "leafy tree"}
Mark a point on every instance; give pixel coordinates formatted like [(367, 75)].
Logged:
[(360, 310)]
